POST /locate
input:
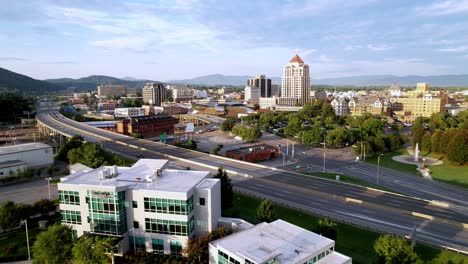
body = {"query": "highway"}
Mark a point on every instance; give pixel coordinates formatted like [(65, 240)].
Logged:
[(442, 225)]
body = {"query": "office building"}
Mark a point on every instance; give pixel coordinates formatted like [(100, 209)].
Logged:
[(146, 207), (147, 126), (251, 94), (111, 90), (421, 102), (181, 93), (107, 106), (127, 112), (296, 82), (154, 94), (263, 83), (274, 243)]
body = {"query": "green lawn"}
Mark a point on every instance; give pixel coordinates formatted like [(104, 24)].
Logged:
[(352, 241), (17, 237), (387, 161), (447, 172), (347, 179)]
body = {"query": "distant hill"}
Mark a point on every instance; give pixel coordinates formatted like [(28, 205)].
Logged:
[(22, 84), (384, 80), (91, 82), (365, 80)]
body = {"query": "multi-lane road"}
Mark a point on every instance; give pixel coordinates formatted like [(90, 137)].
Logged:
[(440, 224)]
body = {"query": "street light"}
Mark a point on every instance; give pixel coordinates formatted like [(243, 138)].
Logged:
[(48, 184), (324, 153), (378, 167), (27, 238)]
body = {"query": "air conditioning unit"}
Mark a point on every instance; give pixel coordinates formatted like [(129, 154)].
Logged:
[(157, 172)]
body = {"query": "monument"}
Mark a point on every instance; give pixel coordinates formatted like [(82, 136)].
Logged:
[(416, 153)]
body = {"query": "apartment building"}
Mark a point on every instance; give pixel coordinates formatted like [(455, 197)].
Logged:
[(146, 207), (181, 93), (274, 243), (421, 102), (341, 106)]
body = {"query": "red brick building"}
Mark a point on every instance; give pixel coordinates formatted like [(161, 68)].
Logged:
[(147, 126), (254, 153)]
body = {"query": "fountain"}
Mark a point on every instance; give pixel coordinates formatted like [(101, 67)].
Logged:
[(416, 153)]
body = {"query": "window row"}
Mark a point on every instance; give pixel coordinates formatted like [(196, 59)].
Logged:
[(320, 256), (139, 244), (224, 258), (71, 217), (169, 227), (168, 206), (69, 197)]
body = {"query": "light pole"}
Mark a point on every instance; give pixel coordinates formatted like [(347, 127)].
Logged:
[(48, 184), (27, 238), (378, 167), (324, 154)]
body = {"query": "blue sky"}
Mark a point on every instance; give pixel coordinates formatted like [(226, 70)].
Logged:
[(175, 39)]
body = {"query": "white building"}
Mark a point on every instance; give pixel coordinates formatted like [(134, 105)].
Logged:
[(22, 156), (296, 81), (251, 94), (127, 112), (147, 206), (267, 103), (154, 93), (341, 105), (199, 94), (275, 243), (395, 90)]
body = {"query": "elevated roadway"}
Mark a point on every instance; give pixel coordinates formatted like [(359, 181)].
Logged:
[(432, 222)]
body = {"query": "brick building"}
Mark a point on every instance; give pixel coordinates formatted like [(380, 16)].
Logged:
[(254, 153), (147, 126)]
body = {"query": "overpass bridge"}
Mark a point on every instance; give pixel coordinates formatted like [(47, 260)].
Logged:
[(440, 224)]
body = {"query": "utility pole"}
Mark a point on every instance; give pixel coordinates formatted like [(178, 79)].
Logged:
[(292, 152), (378, 167), (27, 238), (324, 154)]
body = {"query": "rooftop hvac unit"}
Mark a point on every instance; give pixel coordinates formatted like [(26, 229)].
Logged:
[(157, 172), (102, 175), (115, 170)]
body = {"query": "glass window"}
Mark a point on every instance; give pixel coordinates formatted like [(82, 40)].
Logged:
[(134, 204), (202, 201), (136, 224), (69, 197), (176, 247), (168, 206), (170, 227), (71, 217), (158, 245), (140, 243)]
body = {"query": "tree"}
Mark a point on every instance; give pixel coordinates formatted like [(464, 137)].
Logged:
[(192, 144), (312, 135), (426, 142), (457, 150), (72, 143), (91, 250), (51, 170), (44, 206), (226, 188), (372, 127), (293, 127), (9, 217), (89, 154), (418, 131), (197, 247), (390, 249), (266, 212), (435, 141), (137, 135), (216, 149), (53, 246), (228, 124), (327, 228)]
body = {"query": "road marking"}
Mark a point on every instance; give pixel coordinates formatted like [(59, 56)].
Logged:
[(424, 216), (352, 200)]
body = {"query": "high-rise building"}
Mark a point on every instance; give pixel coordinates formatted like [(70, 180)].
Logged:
[(251, 94), (147, 206), (296, 81), (263, 83), (154, 93), (111, 90)]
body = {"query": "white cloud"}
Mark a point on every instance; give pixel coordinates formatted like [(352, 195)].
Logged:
[(455, 49), (379, 47), (352, 47), (444, 8)]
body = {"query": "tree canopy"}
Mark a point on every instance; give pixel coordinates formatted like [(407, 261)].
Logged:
[(266, 212), (390, 249), (226, 188), (91, 250), (53, 246)]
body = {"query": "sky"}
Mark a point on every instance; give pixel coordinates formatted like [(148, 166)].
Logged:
[(177, 39)]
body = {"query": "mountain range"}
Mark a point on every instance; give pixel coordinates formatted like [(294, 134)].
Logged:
[(365, 80), (91, 82), (22, 84)]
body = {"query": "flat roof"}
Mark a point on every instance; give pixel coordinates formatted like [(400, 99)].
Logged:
[(22, 148), (141, 177), (280, 239), (246, 150)]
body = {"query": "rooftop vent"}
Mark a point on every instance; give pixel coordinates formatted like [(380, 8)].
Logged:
[(115, 170), (157, 172), (102, 175)]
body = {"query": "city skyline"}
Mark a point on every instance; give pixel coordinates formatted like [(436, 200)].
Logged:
[(52, 39)]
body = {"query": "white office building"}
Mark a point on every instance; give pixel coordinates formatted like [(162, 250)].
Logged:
[(127, 112), (147, 206), (275, 243), (251, 94), (295, 82), (23, 156)]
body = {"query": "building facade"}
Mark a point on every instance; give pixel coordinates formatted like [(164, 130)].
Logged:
[(296, 81), (421, 102), (263, 83), (147, 126), (147, 206), (181, 93), (107, 106), (341, 106), (254, 153), (111, 90), (154, 94), (31, 155), (127, 112), (251, 94), (274, 243)]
